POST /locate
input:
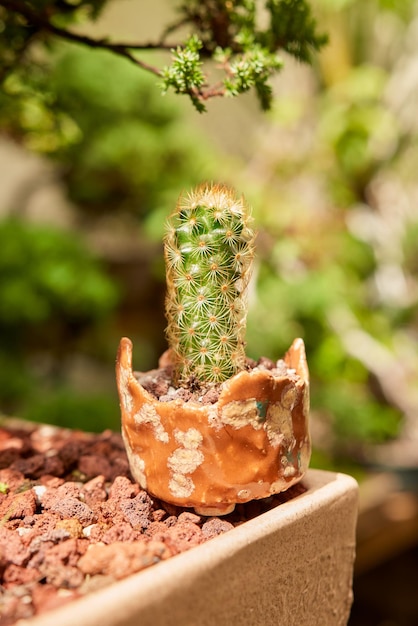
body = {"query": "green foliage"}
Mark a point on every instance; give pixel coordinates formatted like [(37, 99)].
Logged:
[(121, 147), (209, 254), (360, 128), (132, 147), (51, 288), (293, 28), (122, 153), (337, 220), (333, 184), (19, 33), (364, 420), (185, 74), (68, 409), (288, 25), (253, 69), (16, 381), (215, 29), (229, 33), (46, 272)]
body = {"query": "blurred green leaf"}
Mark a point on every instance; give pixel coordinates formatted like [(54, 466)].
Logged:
[(46, 272)]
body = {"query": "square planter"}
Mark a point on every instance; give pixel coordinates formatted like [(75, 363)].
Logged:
[(292, 565)]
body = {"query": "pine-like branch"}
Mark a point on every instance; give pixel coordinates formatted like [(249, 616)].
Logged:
[(222, 30)]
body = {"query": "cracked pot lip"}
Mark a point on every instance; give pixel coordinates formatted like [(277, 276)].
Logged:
[(253, 442)]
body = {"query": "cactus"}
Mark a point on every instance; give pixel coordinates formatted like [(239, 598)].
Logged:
[(209, 250)]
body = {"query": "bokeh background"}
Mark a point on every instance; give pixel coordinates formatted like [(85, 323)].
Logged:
[(93, 158)]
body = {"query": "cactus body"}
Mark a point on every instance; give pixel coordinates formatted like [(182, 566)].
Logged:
[(209, 249)]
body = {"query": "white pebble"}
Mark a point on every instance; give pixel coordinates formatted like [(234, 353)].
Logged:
[(87, 530), (39, 492)]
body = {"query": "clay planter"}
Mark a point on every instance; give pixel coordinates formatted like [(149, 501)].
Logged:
[(291, 565), (251, 443)]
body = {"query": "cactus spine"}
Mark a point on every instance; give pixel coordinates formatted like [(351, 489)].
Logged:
[(209, 249)]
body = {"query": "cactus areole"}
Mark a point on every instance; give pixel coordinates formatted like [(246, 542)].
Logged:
[(209, 251), (252, 439)]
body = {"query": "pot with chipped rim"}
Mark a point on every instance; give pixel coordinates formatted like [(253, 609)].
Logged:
[(251, 443)]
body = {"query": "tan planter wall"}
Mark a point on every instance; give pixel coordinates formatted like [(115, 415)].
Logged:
[(291, 566)]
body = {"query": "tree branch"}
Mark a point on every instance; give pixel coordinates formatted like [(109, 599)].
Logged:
[(219, 29), (41, 21)]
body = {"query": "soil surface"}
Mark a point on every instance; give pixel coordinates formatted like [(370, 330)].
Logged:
[(158, 382), (72, 520)]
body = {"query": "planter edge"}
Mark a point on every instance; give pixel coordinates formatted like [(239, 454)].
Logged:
[(296, 555)]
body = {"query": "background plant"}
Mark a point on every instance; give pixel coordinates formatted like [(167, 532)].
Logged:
[(52, 292), (228, 32), (120, 152), (341, 273), (330, 173)]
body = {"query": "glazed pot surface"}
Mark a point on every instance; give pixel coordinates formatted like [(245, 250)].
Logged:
[(251, 443)]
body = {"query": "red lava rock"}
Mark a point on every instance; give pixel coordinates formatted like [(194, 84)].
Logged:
[(161, 388), (122, 488), (94, 490), (137, 510), (91, 465), (185, 394), (16, 575), (39, 524), (188, 516), (62, 576), (70, 452), (60, 538), (12, 549), (46, 438), (121, 559), (40, 545), (119, 532), (10, 440), (8, 457), (268, 364), (30, 466), (18, 505), (50, 481), (100, 447), (120, 467), (53, 535), (95, 532), (72, 526), (63, 492), (211, 396), (71, 507), (109, 513), (53, 465), (156, 528), (172, 509), (216, 526), (181, 537), (59, 565), (12, 478), (158, 515)]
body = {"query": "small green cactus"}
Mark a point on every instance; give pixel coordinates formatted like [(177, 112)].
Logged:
[(209, 250)]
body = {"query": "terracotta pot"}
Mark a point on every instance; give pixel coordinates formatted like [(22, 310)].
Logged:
[(292, 565), (253, 442)]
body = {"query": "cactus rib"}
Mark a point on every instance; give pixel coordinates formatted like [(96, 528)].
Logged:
[(209, 250)]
